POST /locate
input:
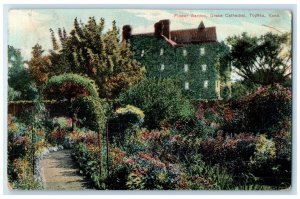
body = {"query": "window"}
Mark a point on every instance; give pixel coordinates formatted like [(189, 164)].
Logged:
[(204, 67), (162, 67), (184, 52), (205, 84), (186, 68), (186, 85), (142, 53), (202, 51), (161, 52)]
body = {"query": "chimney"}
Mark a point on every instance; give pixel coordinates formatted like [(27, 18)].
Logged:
[(126, 34), (201, 26), (162, 28)]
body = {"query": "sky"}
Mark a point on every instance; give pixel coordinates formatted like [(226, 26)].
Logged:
[(26, 27)]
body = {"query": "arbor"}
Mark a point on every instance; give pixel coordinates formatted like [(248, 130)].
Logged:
[(38, 65), (100, 56), (19, 80), (68, 86), (262, 60)]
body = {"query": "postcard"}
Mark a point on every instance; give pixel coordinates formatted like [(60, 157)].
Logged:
[(145, 99)]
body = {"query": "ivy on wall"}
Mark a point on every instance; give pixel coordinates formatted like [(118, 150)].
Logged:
[(161, 60)]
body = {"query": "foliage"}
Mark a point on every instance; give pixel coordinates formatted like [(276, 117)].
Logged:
[(92, 111), (160, 99), (100, 56), (239, 90), (265, 152), (24, 145), (39, 65), (266, 109), (62, 122), (123, 119), (128, 110), (147, 51), (145, 171), (87, 156), (205, 176), (232, 152), (19, 80), (261, 60), (70, 86), (13, 94)]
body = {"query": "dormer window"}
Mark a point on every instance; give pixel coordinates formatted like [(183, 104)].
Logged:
[(186, 85), (186, 68), (204, 67), (162, 67), (161, 52), (184, 52), (202, 51)]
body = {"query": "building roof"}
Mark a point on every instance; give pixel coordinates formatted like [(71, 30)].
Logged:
[(198, 35)]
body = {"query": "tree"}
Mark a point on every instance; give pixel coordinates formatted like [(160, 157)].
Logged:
[(161, 100), (100, 56), (19, 80), (263, 60), (39, 65)]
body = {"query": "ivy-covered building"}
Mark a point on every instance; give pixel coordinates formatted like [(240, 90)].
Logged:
[(193, 56)]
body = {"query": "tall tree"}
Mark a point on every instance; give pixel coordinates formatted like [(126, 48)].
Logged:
[(19, 80), (100, 56), (39, 65), (261, 60)]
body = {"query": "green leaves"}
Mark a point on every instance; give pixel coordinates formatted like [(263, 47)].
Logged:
[(20, 82), (92, 111), (100, 56), (160, 99), (261, 60), (69, 86)]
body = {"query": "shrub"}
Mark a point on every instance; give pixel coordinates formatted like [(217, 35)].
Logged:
[(62, 122), (271, 161), (160, 99), (87, 156), (135, 114), (122, 120), (268, 107), (145, 171), (263, 111), (205, 176), (232, 152)]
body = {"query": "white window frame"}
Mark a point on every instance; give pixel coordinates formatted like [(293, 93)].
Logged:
[(205, 84), (162, 67), (161, 52), (186, 86), (204, 67), (186, 68), (202, 51), (143, 53)]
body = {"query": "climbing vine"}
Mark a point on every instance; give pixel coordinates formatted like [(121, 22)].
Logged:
[(202, 70), (70, 86)]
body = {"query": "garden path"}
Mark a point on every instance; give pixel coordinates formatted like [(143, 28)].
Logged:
[(60, 173)]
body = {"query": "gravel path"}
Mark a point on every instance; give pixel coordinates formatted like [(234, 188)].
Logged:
[(59, 172)]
